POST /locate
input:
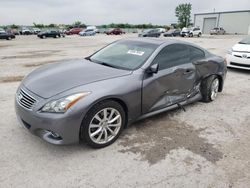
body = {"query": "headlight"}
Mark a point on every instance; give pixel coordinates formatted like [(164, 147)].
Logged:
[(61, 105), (230, 52)]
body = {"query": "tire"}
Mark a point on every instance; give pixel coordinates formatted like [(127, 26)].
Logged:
[(191, 35), (199, 34), (8, 38), (208, 87), (44, 37), (101, 128)]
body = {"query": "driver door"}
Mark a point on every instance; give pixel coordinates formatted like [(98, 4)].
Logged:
[(172, 83)]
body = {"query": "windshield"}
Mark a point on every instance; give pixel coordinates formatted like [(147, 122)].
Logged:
[(245, 40), (128, 55)]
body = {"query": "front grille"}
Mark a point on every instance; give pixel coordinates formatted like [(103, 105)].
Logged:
[(240, 56), (239, 64), (25, 100)]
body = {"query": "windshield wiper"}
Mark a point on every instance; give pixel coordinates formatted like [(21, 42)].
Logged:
[(101, 63), (108, 65), (242, 43)]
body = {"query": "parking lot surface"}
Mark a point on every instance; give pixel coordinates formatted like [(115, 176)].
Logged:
[(206, 146)]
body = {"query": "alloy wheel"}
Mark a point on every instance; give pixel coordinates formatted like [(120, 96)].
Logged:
[(105, 125), (214, 88)]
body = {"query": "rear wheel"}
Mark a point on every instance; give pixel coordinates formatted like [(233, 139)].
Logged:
[(9, 38), (43, 36), (210, 88), (103, 124), (199, 34)]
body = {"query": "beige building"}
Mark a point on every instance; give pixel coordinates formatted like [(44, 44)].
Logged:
[(234, 22)]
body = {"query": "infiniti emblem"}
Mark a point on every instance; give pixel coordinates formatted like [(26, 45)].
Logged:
[(244, 55), (20, 96)]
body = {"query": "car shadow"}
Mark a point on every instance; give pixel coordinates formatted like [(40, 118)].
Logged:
[(235, 70)]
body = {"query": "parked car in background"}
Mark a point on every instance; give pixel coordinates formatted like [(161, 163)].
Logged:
[(185, 32), (217, 31), (239, 55), (190, 32), (50, 33), (26, 31), (116, 31), (93, 28), (195, 31), (7, 36), (15, 31), (162, 30), (150, 33), (73, 31), (172, 33), (2, 30), (94, 99), (87, 32), (36, 30)]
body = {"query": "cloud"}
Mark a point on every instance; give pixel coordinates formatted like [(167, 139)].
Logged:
[(103, 12)]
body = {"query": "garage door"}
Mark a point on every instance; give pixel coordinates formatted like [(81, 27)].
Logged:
[(209, 23)]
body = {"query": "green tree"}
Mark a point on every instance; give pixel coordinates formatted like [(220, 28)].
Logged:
[(13, 26), (183, 13), (77, 23)]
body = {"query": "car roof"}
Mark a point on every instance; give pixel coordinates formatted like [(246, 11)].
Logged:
[(158, 41), (164, 42)]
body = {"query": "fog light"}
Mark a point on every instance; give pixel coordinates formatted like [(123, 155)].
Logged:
[(55, 135)]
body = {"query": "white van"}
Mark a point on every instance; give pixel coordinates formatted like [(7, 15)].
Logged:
[(92, 27)]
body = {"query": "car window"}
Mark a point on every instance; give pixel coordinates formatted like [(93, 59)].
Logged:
[(128, 55), (172, 55), (195, 53)]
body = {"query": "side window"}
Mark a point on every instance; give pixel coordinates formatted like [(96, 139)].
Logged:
[(172, 55), (195, 53)]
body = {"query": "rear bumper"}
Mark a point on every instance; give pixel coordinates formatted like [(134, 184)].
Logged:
[(238, 62)]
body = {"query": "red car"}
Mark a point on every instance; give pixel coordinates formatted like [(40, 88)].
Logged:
[(73, 31), (116, 31)]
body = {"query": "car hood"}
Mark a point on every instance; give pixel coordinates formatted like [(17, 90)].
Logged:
[(51, 80), (241, 47)]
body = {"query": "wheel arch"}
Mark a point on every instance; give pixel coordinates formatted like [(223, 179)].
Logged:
[(112, 98), (221, 83)]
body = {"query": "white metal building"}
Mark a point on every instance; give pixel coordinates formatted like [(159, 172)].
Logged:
[(234, 22)]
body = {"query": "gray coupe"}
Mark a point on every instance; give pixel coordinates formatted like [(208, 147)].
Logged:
[(95, 98)]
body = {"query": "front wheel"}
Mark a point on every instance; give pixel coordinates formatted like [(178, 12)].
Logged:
[(210, 88), (103, 124)]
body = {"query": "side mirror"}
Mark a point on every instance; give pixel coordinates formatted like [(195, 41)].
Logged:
[(153, 69)]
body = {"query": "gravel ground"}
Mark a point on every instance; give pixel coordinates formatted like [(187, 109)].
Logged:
[(206, 146)]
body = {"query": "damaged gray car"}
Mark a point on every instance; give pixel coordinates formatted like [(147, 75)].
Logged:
[(94, 99)]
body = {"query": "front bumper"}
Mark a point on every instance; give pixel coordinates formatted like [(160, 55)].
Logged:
[(237, 61), (185, 34), (55, 128)]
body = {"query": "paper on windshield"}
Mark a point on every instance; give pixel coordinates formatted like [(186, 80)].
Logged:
[(135, 52)]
